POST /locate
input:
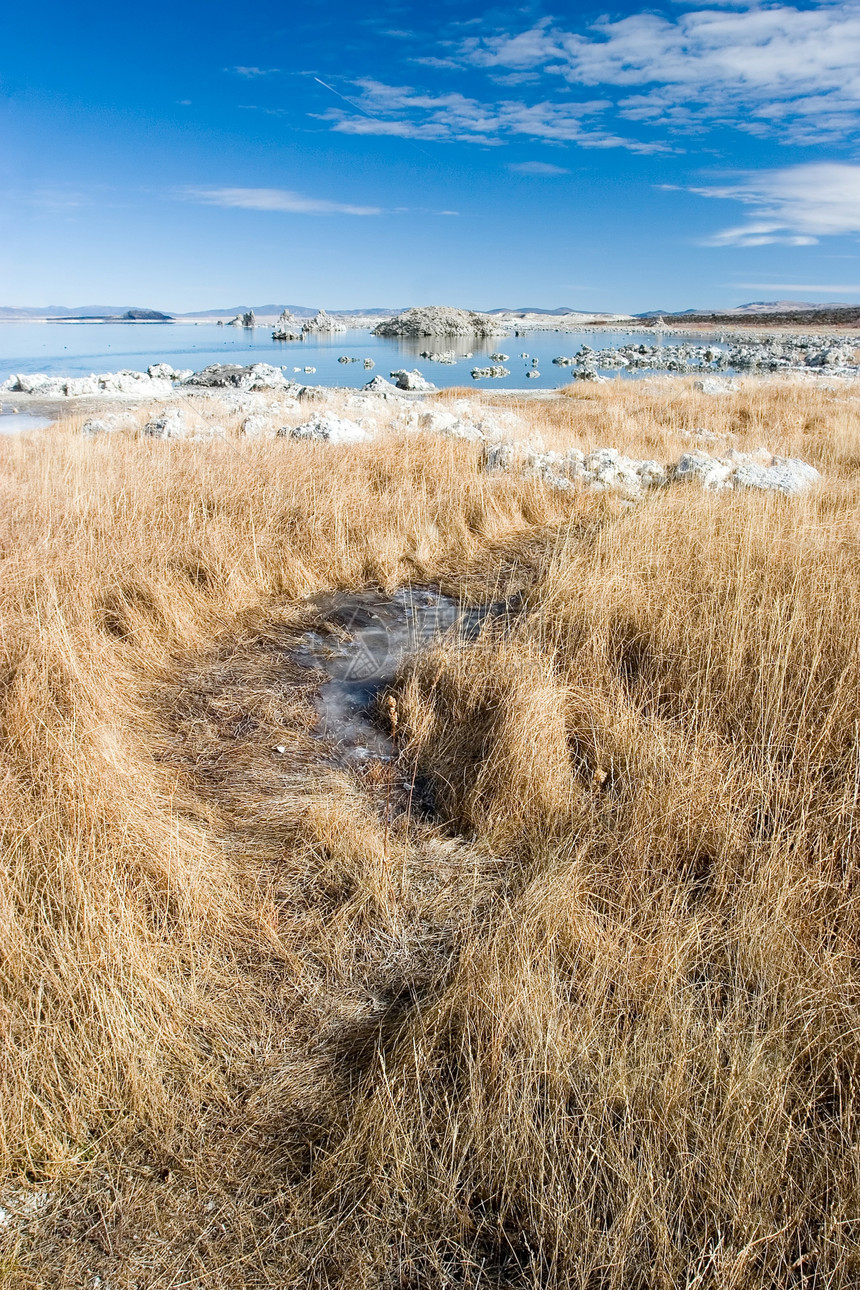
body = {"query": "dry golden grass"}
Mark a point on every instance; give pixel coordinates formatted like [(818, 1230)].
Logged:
[(596, 1025)]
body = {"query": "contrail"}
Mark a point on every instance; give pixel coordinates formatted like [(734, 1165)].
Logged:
[(345, 99), (373, 117)]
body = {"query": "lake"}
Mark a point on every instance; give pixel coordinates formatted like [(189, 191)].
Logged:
[(76, 349)]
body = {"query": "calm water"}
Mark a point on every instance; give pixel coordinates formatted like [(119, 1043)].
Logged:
[(380, 632), (75, 349), (10, 423)]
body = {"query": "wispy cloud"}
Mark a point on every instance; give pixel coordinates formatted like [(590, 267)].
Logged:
[(252, 72), (796, 205), (537, 168), (442, 64), (799, 286), (274, 199), (407, 113), (773, 68)]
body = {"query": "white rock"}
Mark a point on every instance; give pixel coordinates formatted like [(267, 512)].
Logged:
[(445, 356), (606, 468), (787, 475), (287, 327), (380, 385), (713, 385), (77, 386), (39, 383), (259, 376), (170, 425), (263, 376), (439, 320), (323, 322), (95, 426), (129, 382), (257, 427), (409, 380), (651, 474), (498, 456), (329, 429), (700, 467), (449, 424)]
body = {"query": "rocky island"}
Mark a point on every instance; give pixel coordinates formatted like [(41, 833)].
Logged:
[(440, 320)]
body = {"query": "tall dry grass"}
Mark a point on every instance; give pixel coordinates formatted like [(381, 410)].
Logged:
[(595, 1024)]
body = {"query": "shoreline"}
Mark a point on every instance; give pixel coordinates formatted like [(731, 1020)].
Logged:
[(84, 405)]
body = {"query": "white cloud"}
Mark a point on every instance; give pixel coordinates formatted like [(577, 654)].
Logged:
[(404, 112), (274, 199), (443, 64), (252, 72), (797, 205), (537, 168), (796, 71), (798, 286)]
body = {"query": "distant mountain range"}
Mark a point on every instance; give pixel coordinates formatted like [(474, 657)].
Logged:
[(754, 307), (300, 311), (530, 309), (134, 313), (22, 313), (126, 313)]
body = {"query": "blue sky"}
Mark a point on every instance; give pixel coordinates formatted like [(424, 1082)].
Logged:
[(189, 156)]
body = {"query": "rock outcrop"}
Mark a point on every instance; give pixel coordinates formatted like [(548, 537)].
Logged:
[(259, 376), (164, 372), (602, 470), (322, 324), (409, 380), (379, 385), (439, 320), (170, 425), (607, 470), (771, 354), (446, 356), (258, 427), (125, 382), (331, 429), (287, 327), (760, 470)]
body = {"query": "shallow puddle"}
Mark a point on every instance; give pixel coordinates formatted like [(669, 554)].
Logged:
[(19, 422), (368, 636)]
